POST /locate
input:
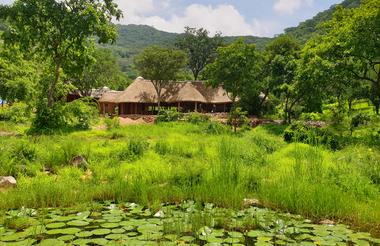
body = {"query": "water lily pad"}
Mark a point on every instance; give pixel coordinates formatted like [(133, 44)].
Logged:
[(78, 223), (100, 241), (110, 225), (254, 234), (232, 240), (35, 230), (101, 232), (148, 228), (215, 240), (55, 225), (83, 234), (171, 237), (116, 236), (63, 218), (82, 241), (118, 230), (66, 231), (235, 234), (132, 234), (13, 237), (66, 238), (263, 239), (26, 242), (187, 239), (52, 242)]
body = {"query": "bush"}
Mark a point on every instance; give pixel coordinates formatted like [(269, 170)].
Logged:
[(112, 123), (17, 113), (80, 114), (238, 118), (48, 119), (134, 150), (311, 116), (215, 128), (197, 118), (24, 151), (169, 115), (298, 132)]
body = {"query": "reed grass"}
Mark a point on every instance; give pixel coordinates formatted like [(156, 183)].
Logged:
[(173, 162)]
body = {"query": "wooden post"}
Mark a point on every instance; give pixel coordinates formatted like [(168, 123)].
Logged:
[(178, 106), (196, 106)]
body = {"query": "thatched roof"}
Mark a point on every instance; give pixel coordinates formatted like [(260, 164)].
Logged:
[(142, 91), (110, 97)]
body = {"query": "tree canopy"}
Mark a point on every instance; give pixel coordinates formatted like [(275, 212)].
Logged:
[(350, 48), (60, 31), (200, 47), (236, 67), (103, 71), (160, 65)]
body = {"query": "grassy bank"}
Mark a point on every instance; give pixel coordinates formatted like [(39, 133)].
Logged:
[(172, 162)]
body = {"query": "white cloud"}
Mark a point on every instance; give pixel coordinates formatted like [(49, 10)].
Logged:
[(224, 17), (290, 6)]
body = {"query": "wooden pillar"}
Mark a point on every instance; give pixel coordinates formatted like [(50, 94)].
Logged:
[(196, 106), (178, 106)]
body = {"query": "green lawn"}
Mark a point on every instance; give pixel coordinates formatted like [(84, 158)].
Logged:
[(172, 162)]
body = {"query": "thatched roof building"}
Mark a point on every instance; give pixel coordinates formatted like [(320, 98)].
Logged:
[(141, 98)]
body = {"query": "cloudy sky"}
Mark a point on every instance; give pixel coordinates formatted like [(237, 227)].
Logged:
[(231, 17)]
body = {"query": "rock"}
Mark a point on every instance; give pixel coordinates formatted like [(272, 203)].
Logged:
[(7, 182), (79, 162), (252, 203), (327, 222), (160, 214)]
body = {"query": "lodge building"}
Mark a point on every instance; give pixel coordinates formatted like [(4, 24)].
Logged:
[(140, 98)]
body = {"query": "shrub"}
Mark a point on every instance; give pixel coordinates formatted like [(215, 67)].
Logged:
[(17, 113), (134, 150), (215, 128), (80, 114), (112, 123), (359, 119), (169, 115), (298, 132), (48, 119), (311, 116), (162, 148), (238, 118), (197, 118), (24, 150)]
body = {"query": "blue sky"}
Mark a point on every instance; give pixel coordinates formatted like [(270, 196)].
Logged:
[(231, 17)]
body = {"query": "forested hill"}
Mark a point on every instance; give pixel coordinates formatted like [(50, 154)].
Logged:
[(134, 38), (306, 29)]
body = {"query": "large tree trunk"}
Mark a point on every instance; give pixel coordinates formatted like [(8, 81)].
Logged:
[(53, 85)]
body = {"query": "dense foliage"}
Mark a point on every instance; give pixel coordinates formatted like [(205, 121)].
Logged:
[(160, 65)]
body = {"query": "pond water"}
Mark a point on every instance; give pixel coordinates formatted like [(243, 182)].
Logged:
[(187, 223)]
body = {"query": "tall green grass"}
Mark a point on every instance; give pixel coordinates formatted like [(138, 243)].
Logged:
[(173, 162)]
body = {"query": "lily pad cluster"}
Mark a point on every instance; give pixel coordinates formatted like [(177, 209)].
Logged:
[(185, 224)]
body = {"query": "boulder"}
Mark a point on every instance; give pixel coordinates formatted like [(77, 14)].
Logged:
[(7, 182), (79, 162), (327, 222), (160, 214), (252, 203)]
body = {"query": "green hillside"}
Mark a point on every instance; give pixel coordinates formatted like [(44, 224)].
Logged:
[(305, 30), (134, 38)]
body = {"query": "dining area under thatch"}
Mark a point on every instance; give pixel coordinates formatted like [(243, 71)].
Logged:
[(140, 98)]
